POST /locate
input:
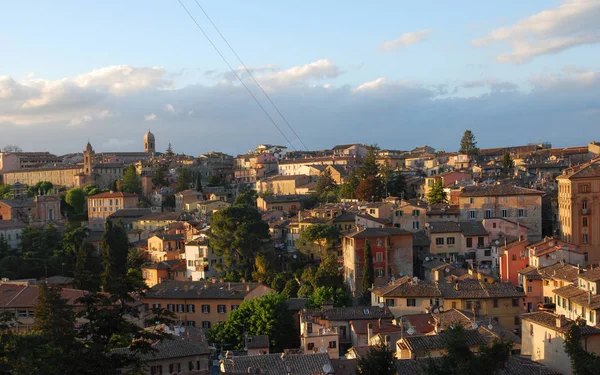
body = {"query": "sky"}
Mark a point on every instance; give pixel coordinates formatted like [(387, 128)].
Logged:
[(398, 74)]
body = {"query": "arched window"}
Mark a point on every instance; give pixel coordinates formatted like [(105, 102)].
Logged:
[(584, 204)]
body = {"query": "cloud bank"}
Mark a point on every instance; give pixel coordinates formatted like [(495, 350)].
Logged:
[(406, 40)]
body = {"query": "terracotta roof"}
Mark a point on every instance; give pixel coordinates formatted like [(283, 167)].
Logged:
[(548, 320), (278, 364), (404, 287), (587, 170), (560, 271), (429, 342), (378, 232), (476, 289), (117, 194), (200, 290), (258, 342), (569, 291), (591, 275), (172, 348), (350, 313), (18, 295), (420, 322), (497, 190), (435, 264), (515, 365)]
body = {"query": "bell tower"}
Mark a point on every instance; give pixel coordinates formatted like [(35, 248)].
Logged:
[(149, 143), (88, 159)]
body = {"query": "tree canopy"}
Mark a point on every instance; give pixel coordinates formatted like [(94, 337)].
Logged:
[(437, 193), (326, 190), (131, 181), (468, 145), (368, 277), (379, 361), (338, 296), (76, 199), (582, 361), (321, 236)]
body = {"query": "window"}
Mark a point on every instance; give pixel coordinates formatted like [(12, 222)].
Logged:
[(487, 253), (171, 307), (372, 211), (180, 307), (514, 257), (379, 242), (379, 272), (234, 307), (399, 213), (592, 316), (309, 328), (488, 214), (191, 308), (504, 213), (390, 302), (529, 289), (495, 302), (531, 329), (310, 346), (411, 302), (584, 204), (221, 309), (515, 302), (472, 214), (439, 241), (469, 242), (517, 321), (415, 225), (494, 225), (379, 257), (206, 324), (206, 309), (585, 222), (450, 240), (584, 188), (174, 367), (332, 344), (521, 212), (190, 323), (584, 238), (416, 212), (156, 370), (156, 305), (471, 200), (480, 241), (469, 305)]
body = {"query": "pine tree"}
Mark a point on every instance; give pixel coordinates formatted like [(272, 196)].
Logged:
[(325, 187), (131, 182), (379, 360), (170, 150), (53, 316), (368, 278), (84, 268), (507, 162), (468, 145), (198, 183), (437, 193)]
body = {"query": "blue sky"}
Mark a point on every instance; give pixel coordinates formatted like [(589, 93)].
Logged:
[(515, 72)]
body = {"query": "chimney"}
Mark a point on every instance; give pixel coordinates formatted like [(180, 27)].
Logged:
[(247, 287), (228, 286), (369, 332), (456, 286), (186, 287), (561, 320)]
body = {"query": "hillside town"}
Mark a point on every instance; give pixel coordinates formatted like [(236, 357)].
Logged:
[(277, 261)]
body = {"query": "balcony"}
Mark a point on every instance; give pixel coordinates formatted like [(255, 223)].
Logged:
[(585, 211)]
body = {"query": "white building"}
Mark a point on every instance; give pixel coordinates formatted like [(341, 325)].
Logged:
[(200, 259), (11, 232)]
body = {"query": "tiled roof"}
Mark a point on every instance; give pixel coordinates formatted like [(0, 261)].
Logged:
[(130, 212), (284, 198), (443, 209), (59, 280), (515, 243), (18, 203), (447, 318), (200, 290), (434, 264), (258, 342), (591, 275), (374, 219), (587, 170), (444, 227), (560, 271), (9, 224), (346, 216), (278, 364), (467, 228), (569, 291), (422, 323), (297, 304), (429, 342), (118, 194), (497, 190), (19, 295), (477, 289), (170, 237), (473, 228), (515, 365), (351, 313), (344, 366), (172, 348), (379, 232), (404, 287), (548, 320), (164, 265)]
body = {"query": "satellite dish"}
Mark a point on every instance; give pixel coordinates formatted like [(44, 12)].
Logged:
[(447, 269), (381, 305), (401, 274), (410, 331), (393, 278), (220, 356), (441, 309), (294, 256), (327, 369), (182, 329), (490, 326), (415, 279), (245, 348), (435, 310), (427, 259), (323, 349), (475, 325)]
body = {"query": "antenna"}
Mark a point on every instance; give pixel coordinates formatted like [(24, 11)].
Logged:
[(410, 331)]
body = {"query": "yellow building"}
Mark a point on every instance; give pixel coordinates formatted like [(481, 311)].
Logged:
[(164, 247), (101, 206), (579, 207)]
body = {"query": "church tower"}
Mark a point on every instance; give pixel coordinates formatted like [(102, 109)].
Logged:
[(149, 143), (88, 159)]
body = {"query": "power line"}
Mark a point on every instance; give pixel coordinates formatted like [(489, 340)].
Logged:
[(237, 76), (251, 75)]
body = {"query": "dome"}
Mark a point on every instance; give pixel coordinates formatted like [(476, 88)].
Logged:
[(149, 135)]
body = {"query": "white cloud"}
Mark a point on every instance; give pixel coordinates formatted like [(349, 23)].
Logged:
[(573, 23), (371, 85), (493, 84), (318, 70), (30, 75), (90, 117), (150, 117), (117, 144), (169, 108), (406, 39)]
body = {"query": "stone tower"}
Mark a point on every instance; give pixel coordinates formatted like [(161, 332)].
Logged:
[(149, 143), (88, 159)]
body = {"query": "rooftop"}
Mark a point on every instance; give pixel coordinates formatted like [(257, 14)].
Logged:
[(201, 290), (350, 313), (278, 364), (118, 194), (548, 320), (378, 232), (497, 190)]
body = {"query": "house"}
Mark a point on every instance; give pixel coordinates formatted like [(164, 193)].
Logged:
[(258, 345), (339, 319), (579, 207), (319, 337), (406, 296), (539, 283), (448, 179), (392, 251), (10, 231), (443, 212), (356, 150), (580, 299), (345, 221), (201, 260), (520, 205), (163, 247), (434, 346), (543, 337), (513, 258), (101, 206), (155, 221), (187, 196), (465, 239), (285, 203), (499, 301), (277, 364), (282, 185), (40, 210), (550, 251), (127, 217), (202, 303), (157, 272), (410, 215)]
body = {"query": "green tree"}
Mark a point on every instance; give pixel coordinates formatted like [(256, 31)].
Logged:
[(437, 193), (468, 145), (459, 359), (246, 199), (159, 177), (198, 183), (76, 199), (53, 315), (369, 166), (338, 296), (86, 268), (184, 179), (90, 190), (131, 181), (114, 249), (395, 184), (368, 277), (267, 315), (350, 184), (582, 361), (322, 236), (290, 290), (326, 189), (239, 235), (369, 189), (5, 249), (507, 162), (379, 361), (170, 150), (279, 282)]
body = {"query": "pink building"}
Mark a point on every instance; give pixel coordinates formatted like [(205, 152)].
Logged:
[(513, 258), (499, 228)]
